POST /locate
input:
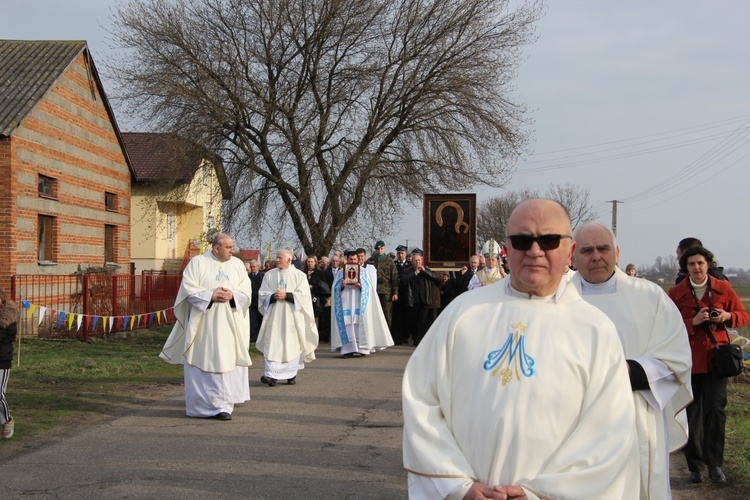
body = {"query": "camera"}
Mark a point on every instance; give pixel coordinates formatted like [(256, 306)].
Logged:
[(713, 314)]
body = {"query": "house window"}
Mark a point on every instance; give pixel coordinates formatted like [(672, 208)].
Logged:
[(109, 244), (47, 186), (46, 239), (110, 202), (171, 223)]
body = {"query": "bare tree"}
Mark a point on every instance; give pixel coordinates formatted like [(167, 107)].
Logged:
[(493, 214), (329, 114), (576, 199)]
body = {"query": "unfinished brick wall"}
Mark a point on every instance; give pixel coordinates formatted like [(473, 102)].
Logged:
[(69, 137)]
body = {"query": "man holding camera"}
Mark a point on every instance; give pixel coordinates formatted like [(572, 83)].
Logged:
[(656, 349), (418, 280)]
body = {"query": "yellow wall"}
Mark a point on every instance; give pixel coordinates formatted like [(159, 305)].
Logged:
[(192, 206)]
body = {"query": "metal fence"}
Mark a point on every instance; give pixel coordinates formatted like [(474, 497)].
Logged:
[(90, 304)]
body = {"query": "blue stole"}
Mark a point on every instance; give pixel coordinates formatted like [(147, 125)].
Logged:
[(338, 307)]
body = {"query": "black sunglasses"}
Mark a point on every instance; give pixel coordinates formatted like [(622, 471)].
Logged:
[(546, 241)]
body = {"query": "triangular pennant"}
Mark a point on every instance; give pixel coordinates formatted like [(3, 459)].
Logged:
[(32, 308), (60, 318), (42, 310), (94, 323), (132, 320), (71, 317), (151, 318), (80, 320), (158, 317), (111, 322), (104, 323)]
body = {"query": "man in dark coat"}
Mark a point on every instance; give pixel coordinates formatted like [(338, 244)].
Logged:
[(399, 330), (418, 280), (256, 318)]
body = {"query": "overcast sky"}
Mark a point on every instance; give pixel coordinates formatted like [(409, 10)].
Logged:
[(644, 102)]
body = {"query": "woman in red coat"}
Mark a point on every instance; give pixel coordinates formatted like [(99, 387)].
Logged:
[(706, 304)]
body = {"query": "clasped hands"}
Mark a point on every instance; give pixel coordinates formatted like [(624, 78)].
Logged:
[(481, 491), (222, 294)]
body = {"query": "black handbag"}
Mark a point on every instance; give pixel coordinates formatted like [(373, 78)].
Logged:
[(727, 358)]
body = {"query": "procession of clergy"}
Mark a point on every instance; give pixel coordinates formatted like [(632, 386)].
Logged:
[(538, 385)]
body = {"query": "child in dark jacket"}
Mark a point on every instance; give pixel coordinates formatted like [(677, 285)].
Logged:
[(8, 331)]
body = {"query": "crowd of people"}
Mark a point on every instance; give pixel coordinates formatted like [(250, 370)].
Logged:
[(410, 294), (548, 309)]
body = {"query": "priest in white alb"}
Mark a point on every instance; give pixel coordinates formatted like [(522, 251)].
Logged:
[(656, 347), (520, 388), (358, 325), (288, 335), (211, 337)]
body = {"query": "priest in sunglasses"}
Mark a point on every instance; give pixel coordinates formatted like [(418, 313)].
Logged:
[(520, 388), (656, 348)]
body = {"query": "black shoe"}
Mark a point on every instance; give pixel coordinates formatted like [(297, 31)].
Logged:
[(347, 356), (696, 476), (291, 381), (271, 382), (223, 416), (717, 475)]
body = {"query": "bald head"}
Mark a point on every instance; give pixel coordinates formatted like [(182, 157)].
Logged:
[(536, 270)]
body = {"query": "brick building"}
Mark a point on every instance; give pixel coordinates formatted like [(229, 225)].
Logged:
[(64, 174)]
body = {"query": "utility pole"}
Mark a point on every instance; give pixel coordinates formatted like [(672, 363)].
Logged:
[(614, 215)]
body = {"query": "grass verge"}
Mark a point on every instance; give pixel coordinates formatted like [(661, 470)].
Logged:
[(62, 385)]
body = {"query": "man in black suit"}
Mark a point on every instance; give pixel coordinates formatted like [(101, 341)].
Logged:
[(256, 279), (463, 277)]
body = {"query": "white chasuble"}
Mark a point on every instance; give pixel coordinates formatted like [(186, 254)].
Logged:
[(485, 277), (214, 337), (652, 333), (510, 391), (288, 333)]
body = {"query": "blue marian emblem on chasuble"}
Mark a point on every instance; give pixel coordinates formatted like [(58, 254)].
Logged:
[(511, 357), (222, 277)]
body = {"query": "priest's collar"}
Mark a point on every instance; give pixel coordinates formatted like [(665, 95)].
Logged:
[(552, 298), (609, 286)]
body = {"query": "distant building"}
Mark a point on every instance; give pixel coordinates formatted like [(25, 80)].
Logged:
[(178, 190), (64, 175)]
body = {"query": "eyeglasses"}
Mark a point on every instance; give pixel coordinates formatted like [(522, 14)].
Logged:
[(546, 242)]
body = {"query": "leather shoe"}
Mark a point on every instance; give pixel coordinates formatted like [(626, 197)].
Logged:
[(717, 475), (271, 382), (291, 381), (223, 416), (696, 476)]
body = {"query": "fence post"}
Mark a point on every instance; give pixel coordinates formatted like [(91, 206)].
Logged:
[(85, 291), (115, 304), (149, 282)]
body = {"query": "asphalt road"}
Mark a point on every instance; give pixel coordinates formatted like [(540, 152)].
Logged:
[(336, 434)]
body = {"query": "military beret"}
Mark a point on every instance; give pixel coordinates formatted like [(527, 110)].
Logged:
[(379, 244)]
